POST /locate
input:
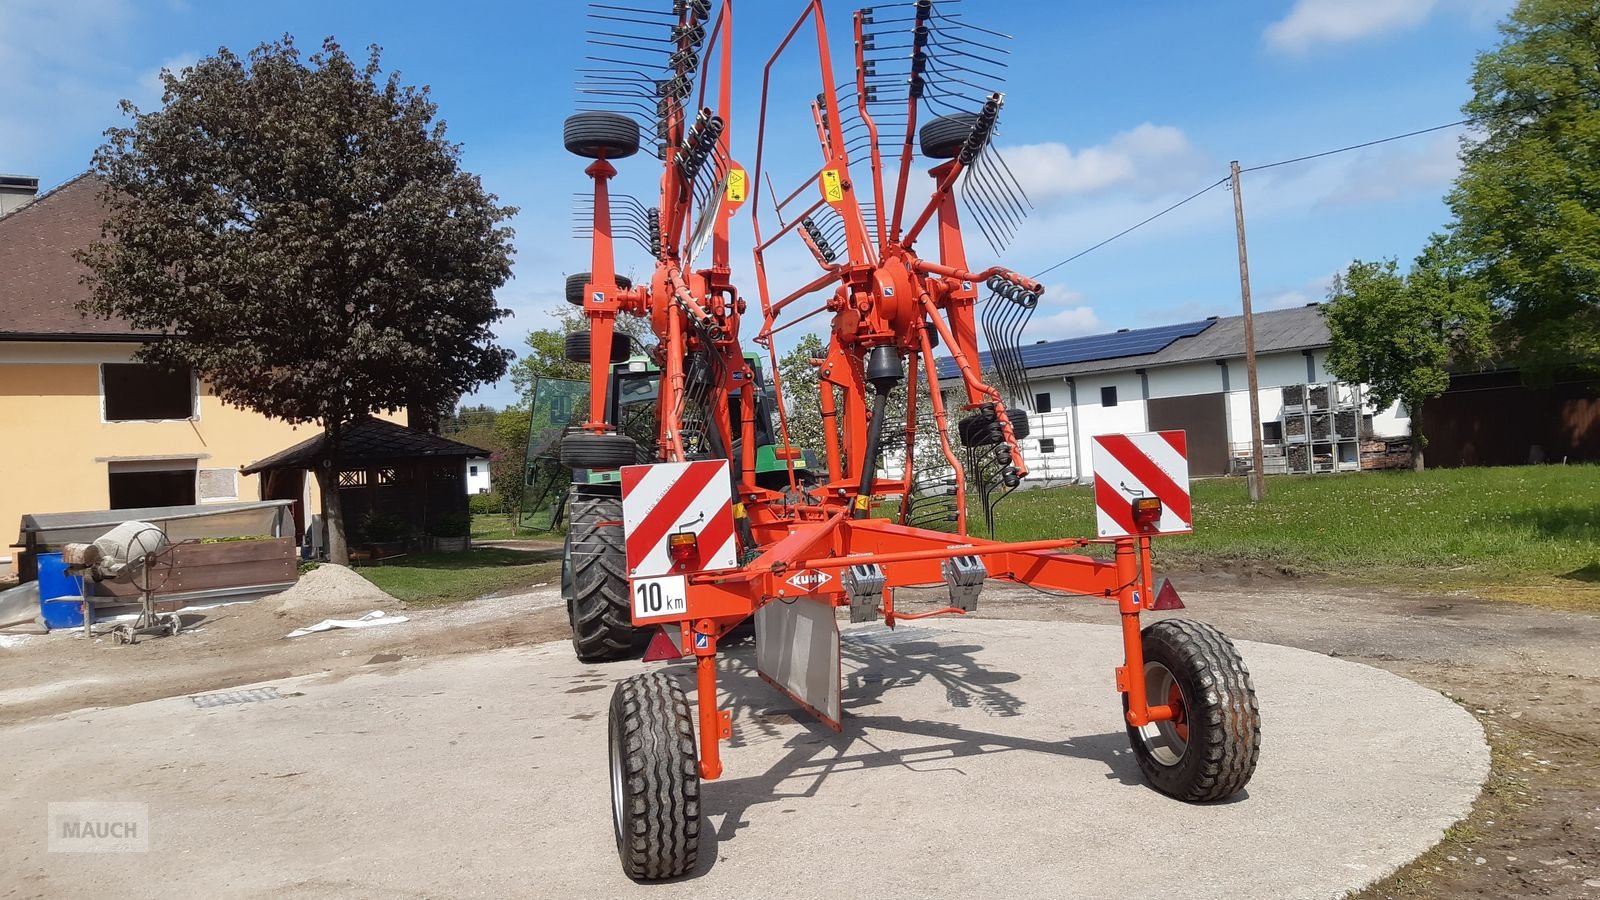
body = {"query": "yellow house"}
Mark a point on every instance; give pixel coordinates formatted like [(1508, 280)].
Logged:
[(82, 426)]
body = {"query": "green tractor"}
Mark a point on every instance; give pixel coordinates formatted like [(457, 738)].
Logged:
[(594, 572)]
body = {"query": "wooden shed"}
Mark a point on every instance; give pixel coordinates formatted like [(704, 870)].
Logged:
[(385, 470)]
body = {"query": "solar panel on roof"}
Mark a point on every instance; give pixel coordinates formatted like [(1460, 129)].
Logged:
[(1094, 347)]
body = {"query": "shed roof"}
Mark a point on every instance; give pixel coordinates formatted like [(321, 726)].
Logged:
[(41, 284), (370, 440), (1279, 330)]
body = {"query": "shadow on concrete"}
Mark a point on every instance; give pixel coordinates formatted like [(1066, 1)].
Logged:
[(876, 664)]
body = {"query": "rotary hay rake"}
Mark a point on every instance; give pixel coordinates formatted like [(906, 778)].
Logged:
[(714, 518)]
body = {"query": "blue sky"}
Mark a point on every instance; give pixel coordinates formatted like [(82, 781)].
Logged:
[(1113, 112)]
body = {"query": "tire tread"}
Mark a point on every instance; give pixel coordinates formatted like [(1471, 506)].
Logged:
[(653, 732)]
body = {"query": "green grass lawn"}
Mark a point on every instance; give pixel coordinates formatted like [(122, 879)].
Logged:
[(433, 578), (502, 528), (1501, 531)]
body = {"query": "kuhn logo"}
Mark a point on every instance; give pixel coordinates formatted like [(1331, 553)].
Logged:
[(810, 579)]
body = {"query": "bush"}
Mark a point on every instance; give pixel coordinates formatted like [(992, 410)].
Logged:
[(382, 528), (451, 525), (484, 504)]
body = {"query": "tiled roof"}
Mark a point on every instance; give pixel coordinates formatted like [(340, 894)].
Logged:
[(1279, 330), (370, 440), (40, 283)]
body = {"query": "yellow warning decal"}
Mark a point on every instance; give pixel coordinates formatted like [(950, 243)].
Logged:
[(832, 188), (737, 185), (863, 501), (738, 511)]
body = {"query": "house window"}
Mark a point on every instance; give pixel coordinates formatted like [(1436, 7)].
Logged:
[(135, 392), (472, 470), (1108, 396), (1272, 432), (1047, 445), (138, 484), (1041, 402)]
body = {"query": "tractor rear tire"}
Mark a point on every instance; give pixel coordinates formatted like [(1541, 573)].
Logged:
[(944, 137), (584, 450), (1210, 751), (655, 778), (600, 135), (577, 282), (577, 347), (597, 607)]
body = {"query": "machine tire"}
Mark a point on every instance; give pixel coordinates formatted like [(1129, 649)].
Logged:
[(595, 134), (577, 347), (1220, 732), (1019, 423), (583, 450), (655, 778), (577, 282), (943, 137), (602, 624)]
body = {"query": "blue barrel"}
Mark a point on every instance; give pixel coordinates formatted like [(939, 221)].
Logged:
[(56, 585)]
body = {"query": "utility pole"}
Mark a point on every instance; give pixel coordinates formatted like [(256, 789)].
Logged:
[(1258, 480)]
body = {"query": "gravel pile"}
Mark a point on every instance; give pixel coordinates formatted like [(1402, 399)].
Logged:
[(330, 590)]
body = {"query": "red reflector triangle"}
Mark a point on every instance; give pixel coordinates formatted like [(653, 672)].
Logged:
[(1166, 596), (661, 647)]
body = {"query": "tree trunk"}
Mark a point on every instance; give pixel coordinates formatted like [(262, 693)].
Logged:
[(1418, 440), (332, 508), (333, 517)]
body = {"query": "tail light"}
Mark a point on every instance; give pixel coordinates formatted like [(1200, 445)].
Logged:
[(683, 548), (1147, 513)]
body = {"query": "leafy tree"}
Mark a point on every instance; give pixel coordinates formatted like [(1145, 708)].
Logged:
[(547, 353), (301, 232), (1398, 334), (506, 463), (799, 379), (1527, 202)]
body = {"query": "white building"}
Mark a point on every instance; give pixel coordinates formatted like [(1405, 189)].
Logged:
[(478, 475), (1192, 377)]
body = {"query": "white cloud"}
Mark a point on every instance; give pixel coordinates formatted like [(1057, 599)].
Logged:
[(1311, 23), (1061, 315), (1313, 291), (1430, 166), (151, 82), (54, 65), (1148, 155)]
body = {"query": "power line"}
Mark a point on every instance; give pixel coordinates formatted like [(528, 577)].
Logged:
[(1361, 146), (1307, 158), (1132, 228)]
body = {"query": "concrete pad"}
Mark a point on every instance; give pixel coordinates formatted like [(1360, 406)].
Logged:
[(979, 758)]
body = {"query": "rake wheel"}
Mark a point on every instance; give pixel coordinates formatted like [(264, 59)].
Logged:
[(578, 343), (1208, 751), (942, 138), (577, 282), (596, 134), (655, 779)]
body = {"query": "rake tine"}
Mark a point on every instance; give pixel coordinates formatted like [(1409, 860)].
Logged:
[(633, 9)]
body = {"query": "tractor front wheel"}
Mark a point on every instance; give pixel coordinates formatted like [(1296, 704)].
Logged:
[(596, 579), (655, 778), (1208, 750)]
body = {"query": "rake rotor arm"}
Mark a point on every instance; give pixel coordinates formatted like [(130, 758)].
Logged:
[(976, 384)]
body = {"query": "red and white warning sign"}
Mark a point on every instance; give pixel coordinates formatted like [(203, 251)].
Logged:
[(1130, 467), (662, 500)]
